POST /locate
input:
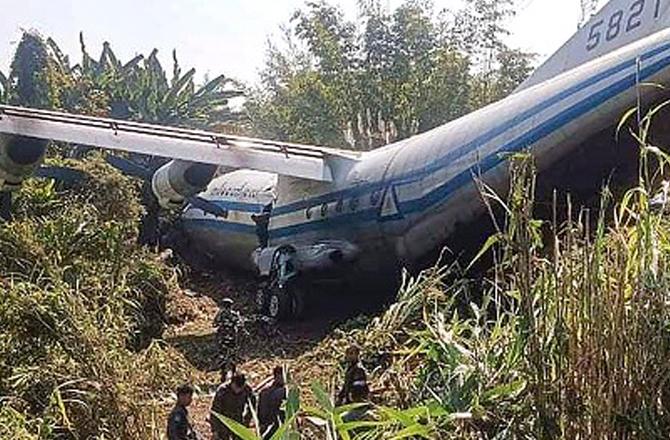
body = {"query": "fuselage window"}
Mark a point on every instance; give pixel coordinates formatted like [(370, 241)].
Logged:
[(374, 198), (308, 213), (324, 210), (353, 204), (339, 206)]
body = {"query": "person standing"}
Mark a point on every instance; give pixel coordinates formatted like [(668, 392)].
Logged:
[(354, 375), (179, 426), (228, 324), (270, 412), (234, 401)]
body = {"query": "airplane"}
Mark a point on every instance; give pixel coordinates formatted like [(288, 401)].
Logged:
[(294, 213)]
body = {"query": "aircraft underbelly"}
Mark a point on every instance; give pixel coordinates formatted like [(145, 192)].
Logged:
[(230, 248)]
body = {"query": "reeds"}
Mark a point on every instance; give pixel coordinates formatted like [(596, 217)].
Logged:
[(568, 336)]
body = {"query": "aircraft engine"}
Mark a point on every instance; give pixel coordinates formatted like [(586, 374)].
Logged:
[(178, 180), (20, 156)]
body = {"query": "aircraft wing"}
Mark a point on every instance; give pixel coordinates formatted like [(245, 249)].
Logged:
[(301, 161)]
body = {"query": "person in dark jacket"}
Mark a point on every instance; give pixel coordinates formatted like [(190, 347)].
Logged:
[(179, 426), (234, 401), (354, 374), (270, 412)]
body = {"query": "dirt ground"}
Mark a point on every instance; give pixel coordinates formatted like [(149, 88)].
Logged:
[(311, 349)]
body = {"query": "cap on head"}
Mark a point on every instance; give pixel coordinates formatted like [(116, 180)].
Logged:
[(227, 302)]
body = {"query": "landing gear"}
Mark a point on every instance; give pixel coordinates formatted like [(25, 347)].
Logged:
[(283, 298), (285, 303)]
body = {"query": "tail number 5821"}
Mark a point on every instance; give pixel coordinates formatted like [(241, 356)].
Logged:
[(621, 21)]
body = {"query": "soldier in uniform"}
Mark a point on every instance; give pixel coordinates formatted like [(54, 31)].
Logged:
[(179, 426), (228, 324), (233, 400), (354, 375)]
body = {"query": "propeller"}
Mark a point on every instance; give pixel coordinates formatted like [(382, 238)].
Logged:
[(134, 169)]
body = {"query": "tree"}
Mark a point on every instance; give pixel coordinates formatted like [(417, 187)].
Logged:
[(28, 81), (42, 76), (386, 76)]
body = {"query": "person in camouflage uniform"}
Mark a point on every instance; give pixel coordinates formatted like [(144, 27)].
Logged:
[(229, 326)]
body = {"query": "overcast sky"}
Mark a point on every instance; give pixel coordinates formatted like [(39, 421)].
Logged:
[(221, 36)]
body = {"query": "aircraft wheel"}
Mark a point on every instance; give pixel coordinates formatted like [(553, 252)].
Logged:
[(279, 304), (297, 296), (262, 300), (287, 303)]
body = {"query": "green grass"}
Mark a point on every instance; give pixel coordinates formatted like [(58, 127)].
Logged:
[(80, 305)]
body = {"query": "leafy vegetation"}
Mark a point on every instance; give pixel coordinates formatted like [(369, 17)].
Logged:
[(566, 337), (80, 305), (386, 76)]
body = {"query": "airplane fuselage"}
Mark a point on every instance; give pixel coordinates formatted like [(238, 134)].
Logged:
[(402, 201)]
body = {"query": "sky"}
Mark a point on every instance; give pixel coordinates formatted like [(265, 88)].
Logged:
[(222, 36)]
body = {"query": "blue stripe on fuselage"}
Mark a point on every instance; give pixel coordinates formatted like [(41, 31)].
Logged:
[(254, 208), (465, 149), (444, 191)]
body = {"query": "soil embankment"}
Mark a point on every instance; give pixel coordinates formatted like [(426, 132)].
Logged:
[(309, 348)]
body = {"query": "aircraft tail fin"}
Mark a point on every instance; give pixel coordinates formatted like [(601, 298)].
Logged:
[(617, 24)]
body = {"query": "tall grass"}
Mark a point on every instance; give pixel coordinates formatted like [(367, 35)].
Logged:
[(80, 303), (568, 336)]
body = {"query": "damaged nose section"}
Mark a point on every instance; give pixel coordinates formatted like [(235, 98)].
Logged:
[(20, 157)]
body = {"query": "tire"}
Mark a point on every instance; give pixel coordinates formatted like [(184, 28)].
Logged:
[(297, 296), (279, 304), (262, 300)]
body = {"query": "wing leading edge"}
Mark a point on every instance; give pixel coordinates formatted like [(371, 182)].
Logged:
[(301, 161)]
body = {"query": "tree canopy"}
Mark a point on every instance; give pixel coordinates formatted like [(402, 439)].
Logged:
[(385, 76), (140, 89)]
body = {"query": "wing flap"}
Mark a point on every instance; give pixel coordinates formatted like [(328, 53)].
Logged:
[(301, 161)]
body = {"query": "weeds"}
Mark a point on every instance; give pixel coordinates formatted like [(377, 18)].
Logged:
[(568, 337), (79, 306), (571, 339)]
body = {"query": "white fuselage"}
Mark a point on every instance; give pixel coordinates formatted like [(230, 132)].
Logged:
[(402, 201)]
